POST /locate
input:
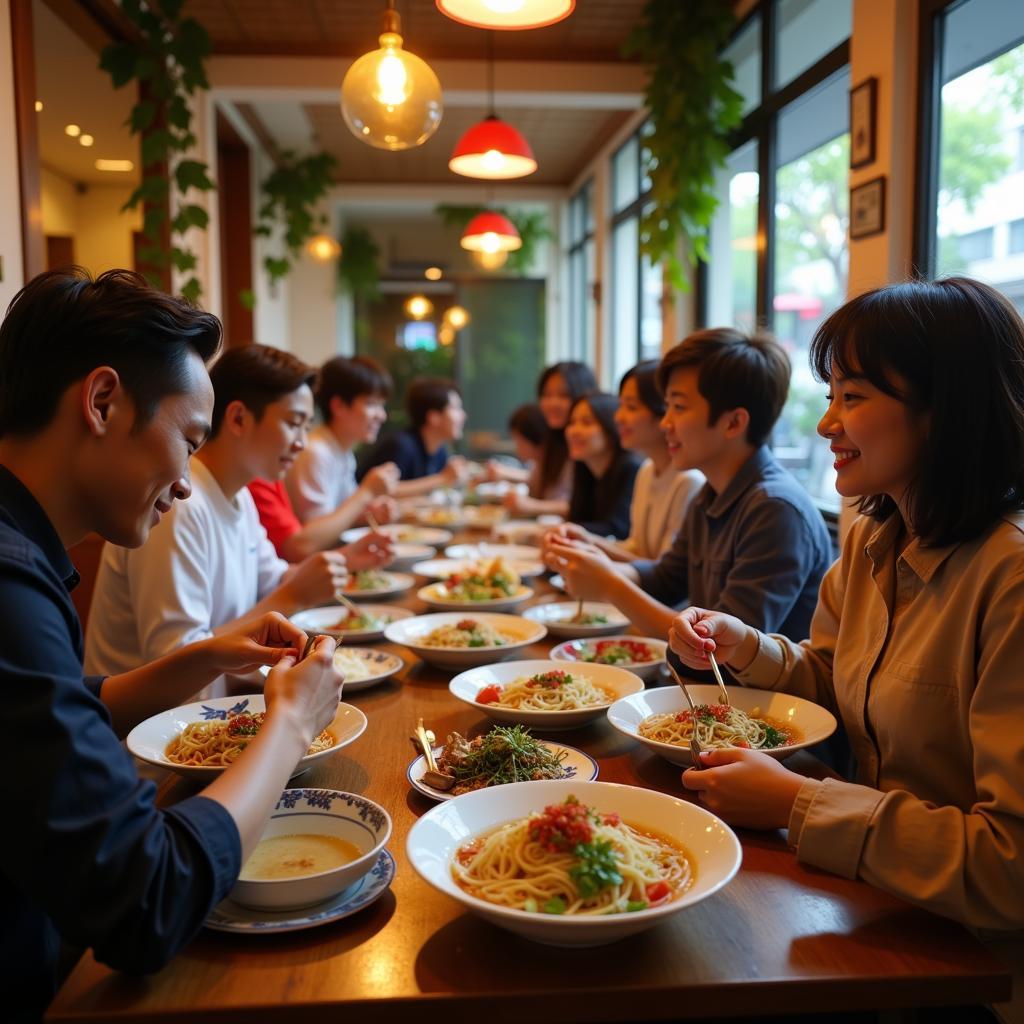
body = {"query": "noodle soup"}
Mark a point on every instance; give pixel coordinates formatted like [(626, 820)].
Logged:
[(296, 856), (570, 859), (719, 726)]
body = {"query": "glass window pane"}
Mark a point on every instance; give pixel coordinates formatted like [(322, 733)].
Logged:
[(811, 220), (588, 206), (732, 269), (625, 175), (744, 53), (589, 350), (980, 201), (805, 31), (647, 128), (651, 324), (622, 349)]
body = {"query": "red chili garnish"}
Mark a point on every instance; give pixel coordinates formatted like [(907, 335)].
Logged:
[(469, 851), (550, 680), (562, 826), (243, 725), (611, 819), (489, 694), (719, 712), (466, 624), (657, 892)]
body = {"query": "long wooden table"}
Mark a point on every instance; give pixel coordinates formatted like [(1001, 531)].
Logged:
[(779, 939)]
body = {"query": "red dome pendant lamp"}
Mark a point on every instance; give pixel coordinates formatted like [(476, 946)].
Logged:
[(490, 232)]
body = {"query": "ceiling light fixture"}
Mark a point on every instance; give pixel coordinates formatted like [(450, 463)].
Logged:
[(418, 307), (489, 260), (390, 98), (490, 232), (433, 273), (323, 248), (492, 148), (39, 105), (455, 317), (506, 14), (73, 130), (85, 140), (114, 165)]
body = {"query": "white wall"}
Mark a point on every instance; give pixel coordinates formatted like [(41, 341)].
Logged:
[(60, 213), (11, 276)]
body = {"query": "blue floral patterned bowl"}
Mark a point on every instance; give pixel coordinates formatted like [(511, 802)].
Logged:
[(347, 816)]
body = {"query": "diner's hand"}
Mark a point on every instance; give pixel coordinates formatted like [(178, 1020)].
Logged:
[(313, 581), (565, 531), (496, 471), (384, 509), (745, 787), (696, 631), (308, 691), (585, 568), (371, 550), (245, 647), (381, 479), (456, 471)]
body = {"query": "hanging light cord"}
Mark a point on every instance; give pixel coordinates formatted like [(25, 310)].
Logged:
[(490, 72)]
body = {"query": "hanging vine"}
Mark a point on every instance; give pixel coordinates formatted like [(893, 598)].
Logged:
[(359, 266), (532, 226), (693, 108), (291, 194), (166, 57)]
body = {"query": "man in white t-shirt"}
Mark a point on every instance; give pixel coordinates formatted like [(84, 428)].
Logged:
[(209, 565), (351, 395)]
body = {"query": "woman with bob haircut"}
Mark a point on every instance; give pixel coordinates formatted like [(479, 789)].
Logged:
[(604, 472), (559, 387), (917, 641)]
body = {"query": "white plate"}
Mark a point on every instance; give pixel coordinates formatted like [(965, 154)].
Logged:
[(578, 764), (495, 490), (813, 722), (466, 686), (558, 582), (394, 583), (402, 533), (148, 740), (320, 620), (434, 595), (410, 632), (444, 517), (442, 568), (556, 615), (573, 650), (229, 916), (487, 549), (405, 555), (381, 665), (712, 846)]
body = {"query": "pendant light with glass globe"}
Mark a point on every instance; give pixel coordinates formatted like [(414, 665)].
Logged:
[(506, 14), (390, 98)]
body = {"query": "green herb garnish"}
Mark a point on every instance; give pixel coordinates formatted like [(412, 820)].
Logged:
[(597, 867)]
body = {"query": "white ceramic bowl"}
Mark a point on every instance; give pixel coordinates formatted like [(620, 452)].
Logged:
[(402, 533), (575, 650), (323, 620), (328, 812), (617, 681), (442, 568), (361, 666), (407, 555), (814, 723), (711, 845), (391, 584), (495, 490), (434, 596), (442, 517), (488, 549), (410, 633), (558, 616), (148, 740)]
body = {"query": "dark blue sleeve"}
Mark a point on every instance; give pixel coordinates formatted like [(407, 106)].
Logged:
[(398, 448), (94, 853), (667, 579)]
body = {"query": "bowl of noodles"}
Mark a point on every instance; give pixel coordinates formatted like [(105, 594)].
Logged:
[(462, 639), (200, 740), (776, 723), (573, 863), (546, 695)]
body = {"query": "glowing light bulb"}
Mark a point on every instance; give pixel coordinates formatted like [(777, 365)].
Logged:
[(490, 260), (456, 317), (392, 78), (85, 140), (39, 105), (418, 307), (490, 242), (323, 248), (493, 160), (73, 130), (503, 6), (433, 273)]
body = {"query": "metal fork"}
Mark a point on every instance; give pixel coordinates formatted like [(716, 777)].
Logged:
[(695, 750)]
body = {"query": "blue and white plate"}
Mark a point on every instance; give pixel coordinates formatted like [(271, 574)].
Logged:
[(578, 765), (228, 916)]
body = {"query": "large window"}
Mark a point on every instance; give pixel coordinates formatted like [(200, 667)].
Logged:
[(636, 283), (581, 274), (973, 221), (779, 237)]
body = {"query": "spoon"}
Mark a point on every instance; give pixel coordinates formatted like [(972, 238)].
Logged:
[(432, 777)]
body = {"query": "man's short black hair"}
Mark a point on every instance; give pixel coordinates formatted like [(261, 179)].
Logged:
[(255, 375), (63, 324), (426, 395), (348, 377)]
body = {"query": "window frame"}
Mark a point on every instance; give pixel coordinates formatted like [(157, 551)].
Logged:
[(580, 344)]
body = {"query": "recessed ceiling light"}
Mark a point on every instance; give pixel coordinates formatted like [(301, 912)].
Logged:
[(114, 165), (39, 105), (85, 140), (73, 130), (433, 273)]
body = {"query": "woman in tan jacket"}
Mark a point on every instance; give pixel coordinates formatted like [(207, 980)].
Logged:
[(918, 637)]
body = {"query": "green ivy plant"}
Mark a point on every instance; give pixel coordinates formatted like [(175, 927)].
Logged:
[(291, 193), (532, 227), (166, 57), (693, 108), (359, 266)]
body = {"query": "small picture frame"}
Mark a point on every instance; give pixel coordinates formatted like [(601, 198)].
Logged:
[(863, 103), (867, 208)]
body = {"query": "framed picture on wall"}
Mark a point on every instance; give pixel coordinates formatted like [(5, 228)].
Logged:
[(863, 101), (867, 208)]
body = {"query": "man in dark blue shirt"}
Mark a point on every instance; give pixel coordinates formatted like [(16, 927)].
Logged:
[(104, 395), (420, 451)]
